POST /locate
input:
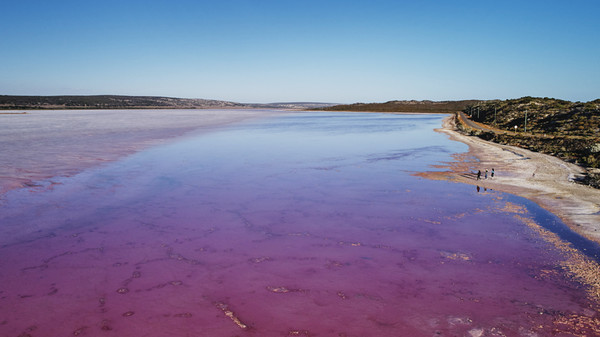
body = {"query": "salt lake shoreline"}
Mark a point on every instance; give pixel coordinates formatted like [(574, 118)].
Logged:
[(543, 179)]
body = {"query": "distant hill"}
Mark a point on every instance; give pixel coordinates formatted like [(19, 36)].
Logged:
[(108, 102), (405, 106), (544, 115), (137, 102)]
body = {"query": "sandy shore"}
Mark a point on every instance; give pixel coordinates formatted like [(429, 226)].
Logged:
[(541, 178), (43, 144)]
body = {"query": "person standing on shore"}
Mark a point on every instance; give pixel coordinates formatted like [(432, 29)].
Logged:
[(486, 171), (492, 172), (479, 175)]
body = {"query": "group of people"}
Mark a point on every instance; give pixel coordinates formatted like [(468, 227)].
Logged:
[(486, 174)]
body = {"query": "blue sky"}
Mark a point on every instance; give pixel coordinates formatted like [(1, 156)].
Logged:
[(328, 51)]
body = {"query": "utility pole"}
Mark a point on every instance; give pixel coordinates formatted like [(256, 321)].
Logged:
[(478, 112), (525, 121), (494, 115)]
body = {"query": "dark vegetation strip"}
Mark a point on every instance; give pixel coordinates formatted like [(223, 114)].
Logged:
[(108, 102), (404, 106)]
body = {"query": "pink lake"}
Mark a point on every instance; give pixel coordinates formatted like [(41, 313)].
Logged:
[(304, 224)]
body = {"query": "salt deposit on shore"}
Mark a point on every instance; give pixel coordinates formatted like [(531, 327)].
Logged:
[(544, 179)]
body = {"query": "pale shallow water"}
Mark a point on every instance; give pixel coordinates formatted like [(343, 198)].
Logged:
[(47, 143), (307, 224)]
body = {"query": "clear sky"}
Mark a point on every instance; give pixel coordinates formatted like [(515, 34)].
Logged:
[(289, 50)]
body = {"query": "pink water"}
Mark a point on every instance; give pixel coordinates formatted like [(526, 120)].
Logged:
[(308, 224)]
